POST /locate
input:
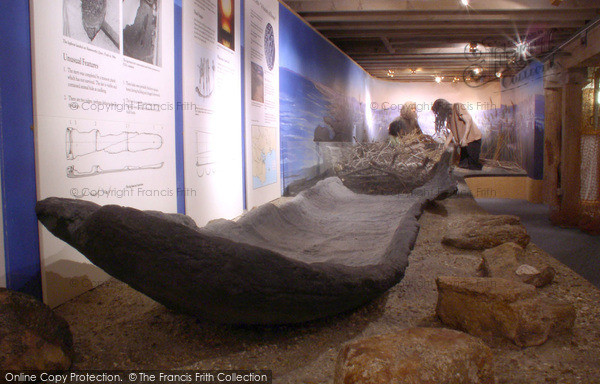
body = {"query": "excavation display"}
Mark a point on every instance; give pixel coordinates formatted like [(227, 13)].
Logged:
[(390, 167), (326, 251)]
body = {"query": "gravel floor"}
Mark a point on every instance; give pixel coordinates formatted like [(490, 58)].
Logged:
[(115, 327)]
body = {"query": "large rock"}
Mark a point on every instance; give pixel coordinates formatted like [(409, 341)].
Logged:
[(539, 278), (416, 355), (492, 307), (326, 251), (506, 261), (502, 261), (485, 231), (32, 337)]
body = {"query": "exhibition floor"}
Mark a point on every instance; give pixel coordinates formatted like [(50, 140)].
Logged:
[(116, 326), (574, 248)]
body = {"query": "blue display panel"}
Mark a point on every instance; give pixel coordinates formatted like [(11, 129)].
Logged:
[(17, 150)]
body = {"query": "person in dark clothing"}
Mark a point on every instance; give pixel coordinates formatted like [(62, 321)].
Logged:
[(407, 122)]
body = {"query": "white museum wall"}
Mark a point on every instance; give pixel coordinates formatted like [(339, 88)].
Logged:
[(212, 109), (104, 119)]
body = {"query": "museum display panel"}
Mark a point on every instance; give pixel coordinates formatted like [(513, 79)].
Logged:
[(261, 69), (212, 109), (104, 116)]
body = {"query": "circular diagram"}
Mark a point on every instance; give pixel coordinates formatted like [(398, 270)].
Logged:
[(269, 46)]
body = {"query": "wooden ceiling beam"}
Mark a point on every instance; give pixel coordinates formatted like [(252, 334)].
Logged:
[(388, 46), (434, 15), (475, 6), (445, 25), (434, 56), (477, 34)]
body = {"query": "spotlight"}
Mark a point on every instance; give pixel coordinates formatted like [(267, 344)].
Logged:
[(390, 73), (438, 79), (472, 47), (465, 2), (455, 79), (476, 71), (412, 71), (522, 49), (499, 74)]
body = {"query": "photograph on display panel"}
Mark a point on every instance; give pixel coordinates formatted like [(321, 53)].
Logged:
[(257, 83), (226, 21), (141, 30), (93, 22)]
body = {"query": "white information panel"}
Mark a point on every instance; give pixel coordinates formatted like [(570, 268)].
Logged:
[(104, 116), (263, 181), (212, 118)]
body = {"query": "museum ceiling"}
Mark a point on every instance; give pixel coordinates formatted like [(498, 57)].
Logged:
[(419, 40)]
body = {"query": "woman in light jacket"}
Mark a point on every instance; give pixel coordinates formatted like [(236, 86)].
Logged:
[(463, 131)]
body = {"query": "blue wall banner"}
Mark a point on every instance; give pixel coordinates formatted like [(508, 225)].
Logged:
[(523, 104), (17, 152)]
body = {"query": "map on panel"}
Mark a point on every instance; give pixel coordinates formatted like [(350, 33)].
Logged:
[(264, 156)]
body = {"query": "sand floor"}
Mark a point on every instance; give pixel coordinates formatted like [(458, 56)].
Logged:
[(115, 327)]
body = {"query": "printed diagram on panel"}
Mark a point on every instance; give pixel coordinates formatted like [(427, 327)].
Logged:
[(205, 77), (269, 45), (104, 150), (141, 32), (205, 153), (94, 22), (264, 156)]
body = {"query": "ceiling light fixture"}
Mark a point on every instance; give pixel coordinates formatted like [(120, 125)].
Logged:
[(390, 73), (472, 47), (455, 79), (476, 71), (522, 49), (499, 74), (465, 2), (438, 79), (412, 71)]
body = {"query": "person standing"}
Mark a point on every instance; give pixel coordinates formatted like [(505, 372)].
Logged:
[(463, 131)]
